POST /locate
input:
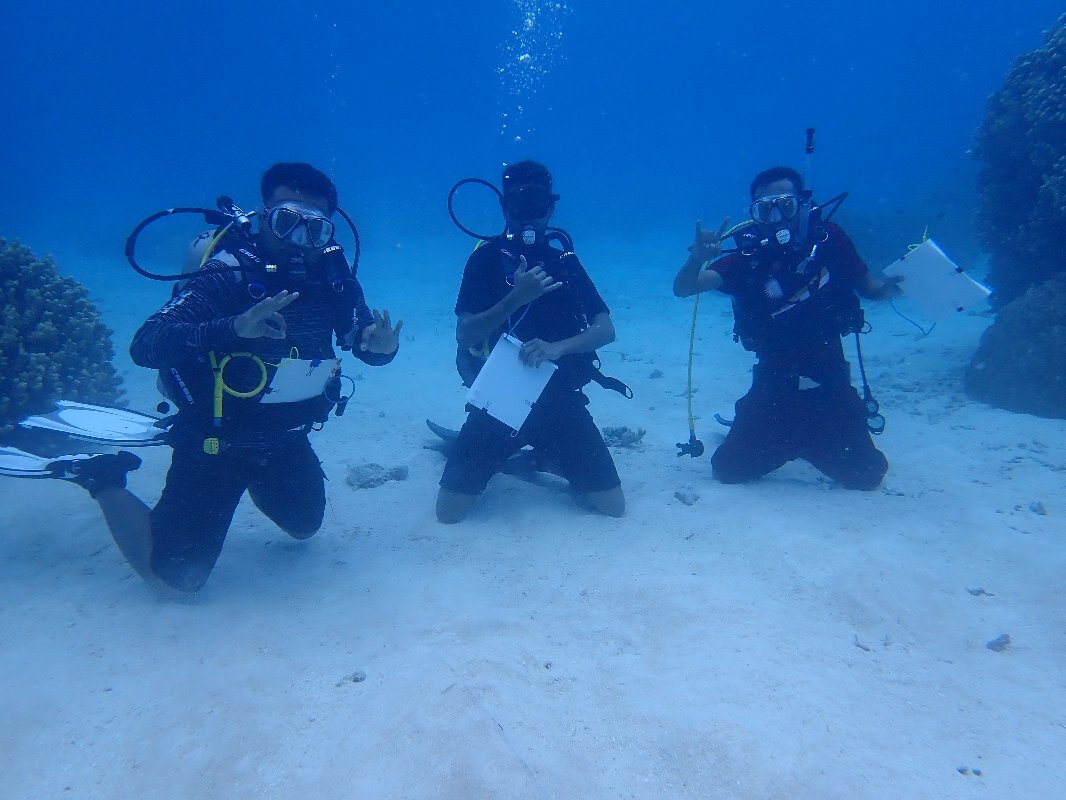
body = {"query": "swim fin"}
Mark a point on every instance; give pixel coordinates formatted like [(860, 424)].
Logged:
[(16, 463), (446, 434), (92, 472), (102, 425)]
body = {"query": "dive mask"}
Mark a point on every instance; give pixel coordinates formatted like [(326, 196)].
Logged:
[(529, 202), (300, 230), (787, 205)]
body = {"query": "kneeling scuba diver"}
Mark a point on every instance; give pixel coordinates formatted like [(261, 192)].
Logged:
[(535, 259), (294, 255), (233, 391), (245, 350), (788, 304)]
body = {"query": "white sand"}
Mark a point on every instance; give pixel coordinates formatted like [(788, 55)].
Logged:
[(784, 639)]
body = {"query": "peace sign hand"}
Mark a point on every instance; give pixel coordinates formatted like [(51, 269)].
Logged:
[(264, 320)]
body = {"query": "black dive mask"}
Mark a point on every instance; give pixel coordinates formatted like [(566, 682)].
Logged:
[(529, 202)]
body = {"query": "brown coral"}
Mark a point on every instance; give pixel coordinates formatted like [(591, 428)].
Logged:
[(1021, 145), (53, 343), (1019, 365)]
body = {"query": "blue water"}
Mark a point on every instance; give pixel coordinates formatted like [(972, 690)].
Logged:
[(649, 116)]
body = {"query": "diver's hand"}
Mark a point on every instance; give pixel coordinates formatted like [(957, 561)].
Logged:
[(264, 320), (883, 287), (529, 284), (536, 351), (707, 245), (892, 286), (381, 337)]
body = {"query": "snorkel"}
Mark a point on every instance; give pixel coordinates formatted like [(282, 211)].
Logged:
[(807, 195), (814, 217)]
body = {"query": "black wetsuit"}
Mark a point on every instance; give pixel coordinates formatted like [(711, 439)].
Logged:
[(263, 447), (559, 426), (801, 403)]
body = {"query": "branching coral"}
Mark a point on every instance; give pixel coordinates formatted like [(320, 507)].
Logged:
[(1022, 183), (53, 343)]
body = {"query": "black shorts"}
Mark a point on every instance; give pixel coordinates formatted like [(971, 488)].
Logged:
[(559, 428), (193, 515)]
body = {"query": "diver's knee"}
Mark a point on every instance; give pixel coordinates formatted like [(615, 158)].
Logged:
[(869, 475), (179, 583), (614, 508), (302, 533), (452, 507), (724, 476), (731, 474), (611, 503), (865, 482), (727, 467), (300, 524)]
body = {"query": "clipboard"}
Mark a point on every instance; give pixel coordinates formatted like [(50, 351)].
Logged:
[(299, 379), (506, 388), (938, 286)]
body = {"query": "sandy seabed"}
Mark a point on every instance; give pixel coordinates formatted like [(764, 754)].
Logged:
[(783, 639)]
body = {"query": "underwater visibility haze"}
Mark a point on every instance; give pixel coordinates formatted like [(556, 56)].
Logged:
[(649, 114)]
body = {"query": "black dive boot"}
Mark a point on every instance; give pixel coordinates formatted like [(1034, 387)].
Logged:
[(105, 471)]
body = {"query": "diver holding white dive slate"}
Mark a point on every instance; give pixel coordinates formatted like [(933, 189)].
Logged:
[(526, 299)]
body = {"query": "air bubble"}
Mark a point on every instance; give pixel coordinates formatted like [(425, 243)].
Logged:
[(530, 54)]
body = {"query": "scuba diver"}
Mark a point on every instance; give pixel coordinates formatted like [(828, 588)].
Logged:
[(522, 284), (244, 350), (793, 281)]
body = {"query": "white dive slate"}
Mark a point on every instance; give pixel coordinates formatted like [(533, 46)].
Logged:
[(506, 388), (935, 283)]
